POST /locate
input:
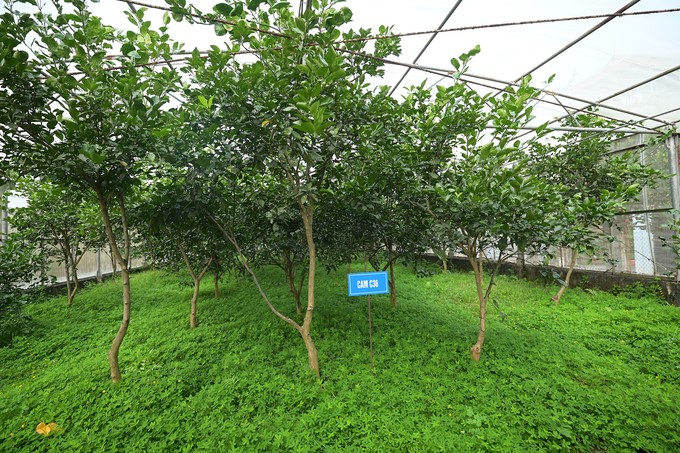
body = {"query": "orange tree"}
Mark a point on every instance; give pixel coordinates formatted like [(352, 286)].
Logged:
[(293, 113), (478, 189), (595, 183), (71, 115)]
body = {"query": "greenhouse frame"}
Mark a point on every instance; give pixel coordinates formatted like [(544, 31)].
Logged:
[(629, 77)]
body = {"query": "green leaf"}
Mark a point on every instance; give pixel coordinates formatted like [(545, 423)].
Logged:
[(126, 48), (254, 4), (305, 126), (224, 9), (220, 29), (206, 103)]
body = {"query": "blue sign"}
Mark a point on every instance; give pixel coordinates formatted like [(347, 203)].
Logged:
[(367, 283)]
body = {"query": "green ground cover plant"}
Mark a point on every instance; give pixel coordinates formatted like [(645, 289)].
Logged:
[(597, 373)]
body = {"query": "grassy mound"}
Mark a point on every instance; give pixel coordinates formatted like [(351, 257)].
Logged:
[(597, 373)]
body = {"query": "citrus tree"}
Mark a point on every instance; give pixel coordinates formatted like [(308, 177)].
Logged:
[(595, 184), (294, 112), (62, 226), (73, 116), (483, 199)]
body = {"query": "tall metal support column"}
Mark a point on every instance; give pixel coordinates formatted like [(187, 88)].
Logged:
[(673, 144)]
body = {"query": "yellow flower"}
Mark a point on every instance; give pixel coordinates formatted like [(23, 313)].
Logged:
[(48, 429)]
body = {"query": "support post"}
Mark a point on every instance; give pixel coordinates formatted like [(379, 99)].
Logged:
[(673, 145)]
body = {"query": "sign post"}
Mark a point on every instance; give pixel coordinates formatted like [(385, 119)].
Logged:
[(366, 284)]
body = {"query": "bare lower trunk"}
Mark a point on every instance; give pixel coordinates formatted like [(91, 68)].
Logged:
[(476, 262), (74, 288), (122, 259), (217, 284), (289, 271), (307, 220), (67, 275), (114, 265), (393, 285), (74, 274), (122, 330), (521, 265), (193, 320), (556, 298), (349, 267)]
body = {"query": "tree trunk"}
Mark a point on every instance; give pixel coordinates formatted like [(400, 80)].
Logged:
[(393, 285), (122, 261), (556, 298), (307, 213), (67, 274), (289, 271), (521, 265), (305, 328), (99, 266), (477, 267), (122, 331), (76, 286), (114, 264), (75, 261), (217, 284), (193, 321)]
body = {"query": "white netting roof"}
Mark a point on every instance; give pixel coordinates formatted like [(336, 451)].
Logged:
[(592, 59), (628, 64)]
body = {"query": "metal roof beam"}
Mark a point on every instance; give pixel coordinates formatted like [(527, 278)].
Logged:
[(427, 44), (580, 38)]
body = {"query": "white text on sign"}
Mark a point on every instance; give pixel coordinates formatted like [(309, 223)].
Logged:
[(361, 284)]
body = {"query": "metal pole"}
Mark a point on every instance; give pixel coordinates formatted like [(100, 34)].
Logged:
[(370, 331), (673, 144), (427, 44), (370, 321), (577, 40)]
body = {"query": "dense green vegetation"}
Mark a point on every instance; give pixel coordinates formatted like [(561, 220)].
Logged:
[(597, 373)]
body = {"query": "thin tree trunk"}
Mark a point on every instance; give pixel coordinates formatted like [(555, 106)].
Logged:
[(349, 267), (217, 284), (521, 265), (298, 291), (393, 285), (307, 220), (114, 264), (193, 318), (99, 266), (289, 271), (556, 298), (477, 267), (74, 274), (67, 273), (122, 261), (76, 286), (304, 329)]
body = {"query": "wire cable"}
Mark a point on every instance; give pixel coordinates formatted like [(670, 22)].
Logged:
[(427, 44)]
